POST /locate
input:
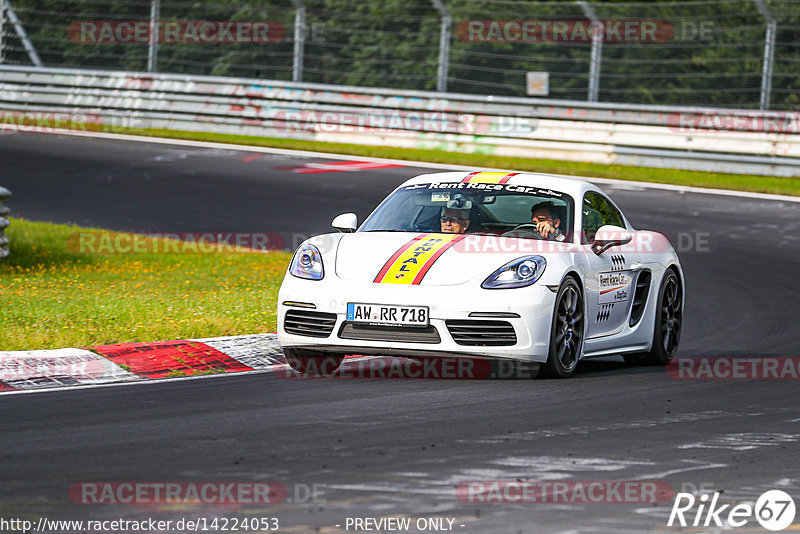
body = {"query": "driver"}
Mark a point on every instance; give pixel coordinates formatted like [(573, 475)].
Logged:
[(454, 220), (544, 216)]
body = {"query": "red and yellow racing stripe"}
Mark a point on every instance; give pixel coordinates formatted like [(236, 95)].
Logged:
[(411, 262), (488, 177)]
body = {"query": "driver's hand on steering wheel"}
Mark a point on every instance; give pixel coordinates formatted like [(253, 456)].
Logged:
[(544, 227)]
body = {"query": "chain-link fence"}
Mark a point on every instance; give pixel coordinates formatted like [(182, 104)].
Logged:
[(731, 53)]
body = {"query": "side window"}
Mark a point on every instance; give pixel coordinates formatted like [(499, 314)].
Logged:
[(597, 212)]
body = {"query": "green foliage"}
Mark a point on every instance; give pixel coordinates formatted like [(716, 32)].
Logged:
[(712, 53)]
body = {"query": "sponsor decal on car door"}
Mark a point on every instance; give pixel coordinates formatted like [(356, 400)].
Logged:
[(614, 287), (610, 287)]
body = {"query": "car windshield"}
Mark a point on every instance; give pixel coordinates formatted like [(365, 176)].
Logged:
[(490, 209)]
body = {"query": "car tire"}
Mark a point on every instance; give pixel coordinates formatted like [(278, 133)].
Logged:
[(667, 324), (309, 363), (567, 331)]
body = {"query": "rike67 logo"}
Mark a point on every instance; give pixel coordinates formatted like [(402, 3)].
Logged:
[(774, 510)]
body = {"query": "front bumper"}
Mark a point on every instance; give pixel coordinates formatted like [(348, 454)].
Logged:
[(533, 305)]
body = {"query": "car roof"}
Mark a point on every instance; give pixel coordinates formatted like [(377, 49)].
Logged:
[(574, 187)]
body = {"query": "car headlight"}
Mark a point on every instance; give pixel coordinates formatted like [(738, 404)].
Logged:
[(517, 273), (307, 263)]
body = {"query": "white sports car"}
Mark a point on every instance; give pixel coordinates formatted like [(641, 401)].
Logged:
[(529, 268)]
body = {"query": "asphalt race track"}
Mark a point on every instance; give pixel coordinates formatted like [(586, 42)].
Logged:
[(379, 448)]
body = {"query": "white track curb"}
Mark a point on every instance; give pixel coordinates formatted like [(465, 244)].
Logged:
[(45, 369)]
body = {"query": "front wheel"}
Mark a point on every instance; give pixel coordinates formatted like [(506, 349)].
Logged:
[(307, 363), (566, 334)]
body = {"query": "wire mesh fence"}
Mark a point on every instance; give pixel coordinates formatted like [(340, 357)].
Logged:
[(726, 53)]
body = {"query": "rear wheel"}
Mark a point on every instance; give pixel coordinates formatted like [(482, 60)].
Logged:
[(566, 334), (668, 323), (310, 363)]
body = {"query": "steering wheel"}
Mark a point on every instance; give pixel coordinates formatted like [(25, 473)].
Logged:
[(525, 227)]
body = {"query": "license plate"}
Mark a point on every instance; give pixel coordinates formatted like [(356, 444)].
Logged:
[(384, 314)]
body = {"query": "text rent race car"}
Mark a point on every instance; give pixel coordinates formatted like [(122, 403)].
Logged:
[(399, 286)]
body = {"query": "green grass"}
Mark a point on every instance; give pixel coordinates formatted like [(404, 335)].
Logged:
[(55, 296), (740, 182)]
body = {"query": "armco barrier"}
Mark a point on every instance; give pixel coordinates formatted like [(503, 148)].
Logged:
[(4, 211), (660, 136)]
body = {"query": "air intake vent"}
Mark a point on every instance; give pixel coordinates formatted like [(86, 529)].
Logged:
[(368, 332), (640, 296), (309, 323), (482, 333)]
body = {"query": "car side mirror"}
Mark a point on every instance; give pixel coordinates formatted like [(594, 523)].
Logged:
[(346, 222), (610, 236)]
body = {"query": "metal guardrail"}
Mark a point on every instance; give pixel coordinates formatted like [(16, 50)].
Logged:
[(732, 53), (660, 136), (4, 211)]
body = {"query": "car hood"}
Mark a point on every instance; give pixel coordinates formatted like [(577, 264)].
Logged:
[(429, 258)]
